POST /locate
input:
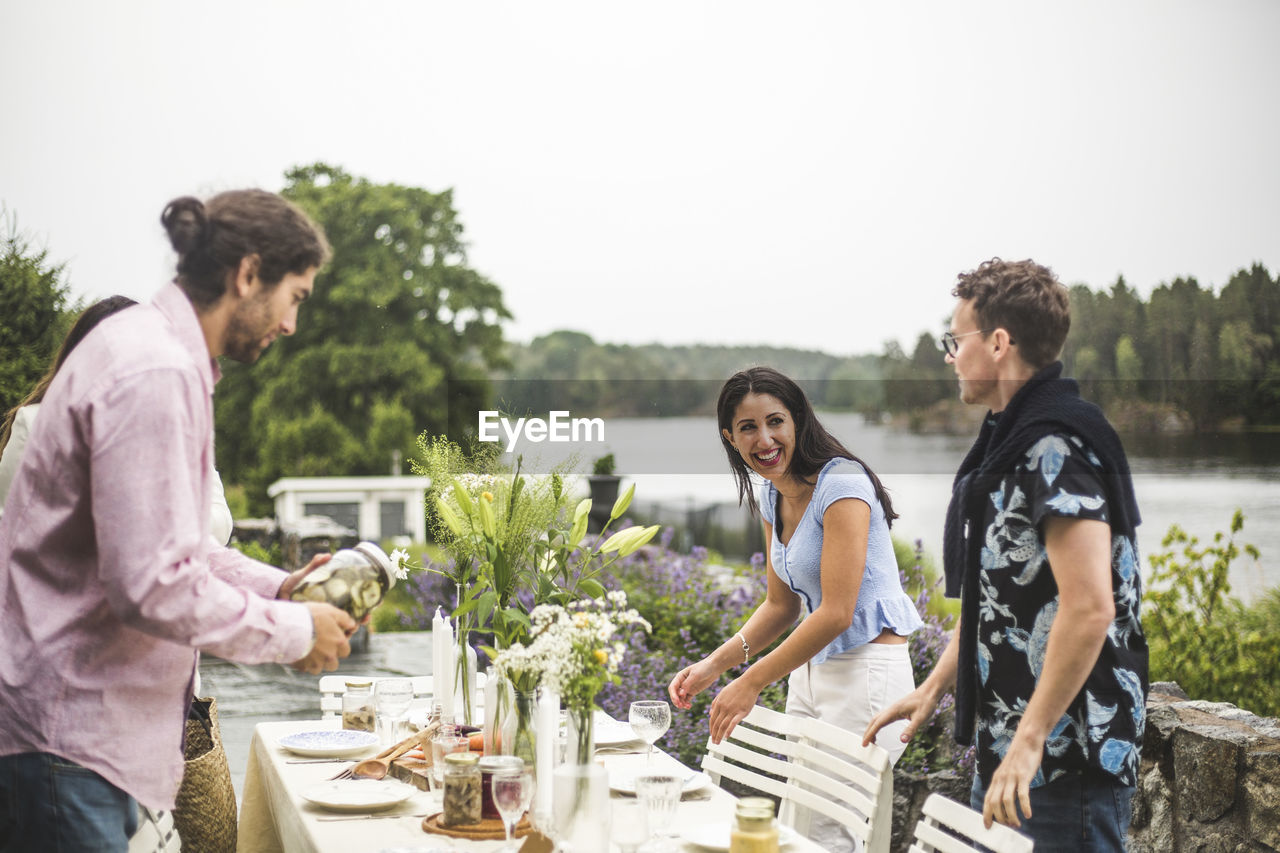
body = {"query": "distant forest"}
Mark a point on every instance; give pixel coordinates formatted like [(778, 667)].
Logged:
[(1188, 357)]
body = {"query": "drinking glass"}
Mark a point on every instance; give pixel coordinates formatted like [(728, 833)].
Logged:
[(512, 793), (391, 699), (630, 825), (442, 745), (650, 721), (660, 794)]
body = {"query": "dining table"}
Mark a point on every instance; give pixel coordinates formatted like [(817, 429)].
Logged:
[(275, 817)]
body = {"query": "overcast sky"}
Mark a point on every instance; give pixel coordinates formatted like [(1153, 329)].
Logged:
[(800, 174)]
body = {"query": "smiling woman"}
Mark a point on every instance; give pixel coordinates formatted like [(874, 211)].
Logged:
[(826, 518)]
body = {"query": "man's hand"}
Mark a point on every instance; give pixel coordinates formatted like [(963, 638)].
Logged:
[(1011, 784), (291, 582), (916, 707), (332, 627)]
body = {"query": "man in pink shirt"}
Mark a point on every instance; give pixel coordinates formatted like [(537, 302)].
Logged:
[(109, 581)]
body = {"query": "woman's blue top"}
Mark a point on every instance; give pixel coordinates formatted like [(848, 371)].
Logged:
[(882, 603)]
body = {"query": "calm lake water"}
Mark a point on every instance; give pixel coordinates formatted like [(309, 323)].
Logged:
[(1194, 481)]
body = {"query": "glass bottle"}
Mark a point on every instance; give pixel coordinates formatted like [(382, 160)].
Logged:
[(357, 706), (461, 789), (753, 828), (355, 580)]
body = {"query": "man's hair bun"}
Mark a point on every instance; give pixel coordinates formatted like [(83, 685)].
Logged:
[(187, 224)]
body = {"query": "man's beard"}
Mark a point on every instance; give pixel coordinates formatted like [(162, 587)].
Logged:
[(249, 326)]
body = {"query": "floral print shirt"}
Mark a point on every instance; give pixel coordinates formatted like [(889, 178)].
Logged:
[(1018, 599)]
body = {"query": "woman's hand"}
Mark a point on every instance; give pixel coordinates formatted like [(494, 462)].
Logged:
[(731, 707), (690, 681)]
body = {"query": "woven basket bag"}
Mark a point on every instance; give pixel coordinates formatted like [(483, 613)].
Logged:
[(206, 811)]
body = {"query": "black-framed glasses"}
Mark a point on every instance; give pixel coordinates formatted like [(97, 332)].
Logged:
[(949, 345)]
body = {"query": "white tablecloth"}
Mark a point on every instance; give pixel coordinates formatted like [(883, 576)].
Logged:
[(275, 819)]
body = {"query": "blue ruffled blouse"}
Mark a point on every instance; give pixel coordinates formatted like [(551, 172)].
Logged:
[(882, 603)]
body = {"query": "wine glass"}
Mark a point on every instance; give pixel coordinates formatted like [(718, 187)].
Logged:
[(512, 793), (392, 698), (650, 720)]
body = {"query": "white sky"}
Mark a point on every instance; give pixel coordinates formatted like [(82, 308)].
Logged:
[(799, 174)]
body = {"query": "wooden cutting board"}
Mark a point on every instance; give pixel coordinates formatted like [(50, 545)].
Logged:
[(414, 771)]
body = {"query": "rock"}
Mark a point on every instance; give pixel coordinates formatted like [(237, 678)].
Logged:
[(1205, 765), (1168, 688), (1262, 796)]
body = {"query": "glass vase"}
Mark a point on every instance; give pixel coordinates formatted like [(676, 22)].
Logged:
[(524, 738), (582, 816), (581, 746)]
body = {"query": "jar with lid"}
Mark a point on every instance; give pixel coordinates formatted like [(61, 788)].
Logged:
[(357, 706), (461, 789), (355, 580), (489, 765), (753, 828)]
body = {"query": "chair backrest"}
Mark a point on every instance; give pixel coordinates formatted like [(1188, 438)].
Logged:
[(823, 768), (944, 819), (333, 686)]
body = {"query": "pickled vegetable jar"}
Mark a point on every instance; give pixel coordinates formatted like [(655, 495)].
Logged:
[(461, 789), (355, 580)]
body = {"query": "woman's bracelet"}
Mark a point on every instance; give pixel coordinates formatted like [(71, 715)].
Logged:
[(746, 650)]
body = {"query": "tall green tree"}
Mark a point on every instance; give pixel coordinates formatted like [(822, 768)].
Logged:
[(35, 312), (399, 336)]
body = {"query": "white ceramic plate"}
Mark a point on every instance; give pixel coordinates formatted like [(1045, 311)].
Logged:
[(624, 780), (330, 743), (358, 795), (610, 732), (715, 836)]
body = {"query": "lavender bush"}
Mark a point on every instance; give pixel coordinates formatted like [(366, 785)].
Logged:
[(933, 747)]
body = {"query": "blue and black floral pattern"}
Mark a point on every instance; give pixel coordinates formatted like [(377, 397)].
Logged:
[(1018, 600)]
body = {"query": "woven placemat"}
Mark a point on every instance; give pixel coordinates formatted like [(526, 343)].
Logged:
[(487, 829)]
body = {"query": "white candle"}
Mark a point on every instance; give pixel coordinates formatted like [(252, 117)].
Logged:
[(446, 672), (437, 657), (547, 732)]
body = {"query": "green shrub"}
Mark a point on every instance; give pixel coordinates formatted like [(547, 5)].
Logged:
[(1200, 635)]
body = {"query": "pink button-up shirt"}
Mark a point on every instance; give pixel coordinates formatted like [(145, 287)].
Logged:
[(109, 581)]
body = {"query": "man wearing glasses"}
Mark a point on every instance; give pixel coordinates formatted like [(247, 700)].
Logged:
[(1048, 659)]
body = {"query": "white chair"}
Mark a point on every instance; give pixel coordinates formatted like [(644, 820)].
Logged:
[(333, 686), (944, 819), (826, 770)]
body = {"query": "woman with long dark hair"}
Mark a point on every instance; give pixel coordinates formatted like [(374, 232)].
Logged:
[(18, 420), (829, 563)]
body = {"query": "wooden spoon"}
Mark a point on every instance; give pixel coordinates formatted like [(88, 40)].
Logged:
[(380, 766)]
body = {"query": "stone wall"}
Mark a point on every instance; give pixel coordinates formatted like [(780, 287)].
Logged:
[(1209, 781), (1210, 778)]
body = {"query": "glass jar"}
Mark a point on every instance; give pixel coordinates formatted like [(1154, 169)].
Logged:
[(357, 706), (489, 765), (461, 789), (355, 580), (753, 828)]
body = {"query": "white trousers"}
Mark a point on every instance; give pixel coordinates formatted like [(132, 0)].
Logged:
[(847, 690)]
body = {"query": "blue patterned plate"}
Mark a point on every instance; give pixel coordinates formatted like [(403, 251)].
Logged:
[(330, 743)]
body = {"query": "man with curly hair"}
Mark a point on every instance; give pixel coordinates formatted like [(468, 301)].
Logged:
[(1048, 659)]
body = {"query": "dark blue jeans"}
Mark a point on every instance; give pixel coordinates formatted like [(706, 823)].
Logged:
[(51, 804), (1078, 813)]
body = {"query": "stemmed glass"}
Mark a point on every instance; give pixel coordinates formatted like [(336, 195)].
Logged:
[(650, 720), (512, 794), (392, 698)]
